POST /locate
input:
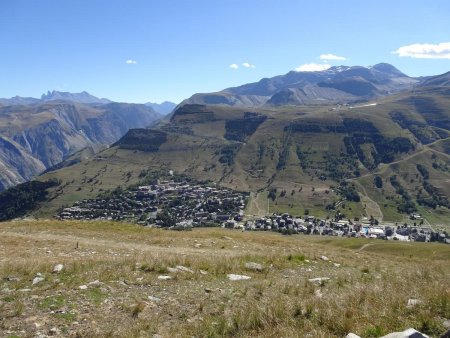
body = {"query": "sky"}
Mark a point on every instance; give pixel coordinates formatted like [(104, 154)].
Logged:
[(156, 50)]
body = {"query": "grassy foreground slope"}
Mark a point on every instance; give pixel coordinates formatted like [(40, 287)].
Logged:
[(109, 284)]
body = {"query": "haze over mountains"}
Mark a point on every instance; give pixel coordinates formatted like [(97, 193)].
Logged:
[(36, 134)]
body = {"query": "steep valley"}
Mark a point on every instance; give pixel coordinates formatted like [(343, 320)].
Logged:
[(39, 136)]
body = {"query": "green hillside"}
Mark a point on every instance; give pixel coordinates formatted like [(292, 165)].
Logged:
[(306, 158)]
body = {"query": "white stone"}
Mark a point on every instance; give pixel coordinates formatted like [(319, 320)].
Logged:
[(95, 283), (324, 258), (83, 287), (234, 277), (352, 335), (413, 302), (164, 277), (337, 265), (154, 299), (183, 269), (58, 268), (254, 266), (37, 280), (318, 280)]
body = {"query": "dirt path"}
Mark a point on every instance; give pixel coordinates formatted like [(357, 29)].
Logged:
[(387, 165)]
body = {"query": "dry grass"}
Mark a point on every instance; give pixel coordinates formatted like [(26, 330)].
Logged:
[(366, 294)]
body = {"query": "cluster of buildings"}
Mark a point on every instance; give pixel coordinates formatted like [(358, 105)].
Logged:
[(187, 205), (181, 205), (364, 228)]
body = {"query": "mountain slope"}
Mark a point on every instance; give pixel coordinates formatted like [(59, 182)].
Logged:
[(39, 136), (306, 157), (335, 85)]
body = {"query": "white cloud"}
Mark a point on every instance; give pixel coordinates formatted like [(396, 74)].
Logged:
[(312, 67), (248, 65), (425, 51), (131, 62), (234, 66), (332, 57)]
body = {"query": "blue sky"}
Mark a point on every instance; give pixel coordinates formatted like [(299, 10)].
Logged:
[(176, 48)]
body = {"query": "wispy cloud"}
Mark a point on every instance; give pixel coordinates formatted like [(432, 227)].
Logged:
[(425, 51), (131, 62), (234, 66), (332, 57), (312, 67), (248, 65)]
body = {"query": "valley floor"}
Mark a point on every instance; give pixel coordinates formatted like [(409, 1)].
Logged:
[(122, 280)]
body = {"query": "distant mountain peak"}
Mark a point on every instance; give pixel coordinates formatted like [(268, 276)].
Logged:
[(337, 84), (83, 97), (388, 69)]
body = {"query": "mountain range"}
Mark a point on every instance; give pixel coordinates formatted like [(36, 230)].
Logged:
[(351, 140), (340, 84), (36, 134)]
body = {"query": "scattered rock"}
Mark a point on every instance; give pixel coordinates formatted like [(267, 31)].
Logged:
[(254, 266), (203, 272), (172, 270), (184, 269), (324, 258), (164, 277), (446, 324), (154, 299), (95, 283), (37, 280), (83, 287), (337, 265), (198, 245), (227, 238), (234, 277), (24, 290), (409, 333), (58, 268), (352, 335), (208, 290), (413, 302), (318, 280), (12, 279)]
